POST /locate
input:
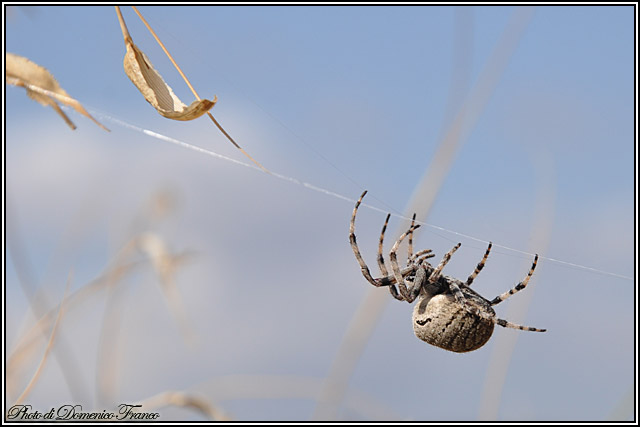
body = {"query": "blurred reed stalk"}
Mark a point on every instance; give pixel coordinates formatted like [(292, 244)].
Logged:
[(365, 318)]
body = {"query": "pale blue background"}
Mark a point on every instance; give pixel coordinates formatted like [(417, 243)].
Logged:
[(345, 98)]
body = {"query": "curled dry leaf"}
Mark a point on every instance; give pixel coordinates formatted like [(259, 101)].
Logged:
[(41, 86), (156, 91), (148, 81)]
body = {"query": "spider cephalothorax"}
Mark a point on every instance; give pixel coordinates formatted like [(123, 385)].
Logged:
[(448, 314)]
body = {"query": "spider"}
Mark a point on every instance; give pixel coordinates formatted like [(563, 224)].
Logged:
[(448, 314)]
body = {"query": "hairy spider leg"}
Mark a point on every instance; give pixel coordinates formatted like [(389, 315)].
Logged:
[(479, 267), (402, 284), (383, 268), (381, 265), (383, 281), (427, 254), (455, 288), (445, 259), (506, 324), (520, 286), (410, 247)]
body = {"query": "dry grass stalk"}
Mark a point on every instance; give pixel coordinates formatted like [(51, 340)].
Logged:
[(178, 398), (42, 87), (278, 387), (504, 344), (107, 361), (26, 347), (164, 264), (47, 350)]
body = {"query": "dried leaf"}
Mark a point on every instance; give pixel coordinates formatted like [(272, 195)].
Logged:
[(41, 86), (129, 42), (156, 91)]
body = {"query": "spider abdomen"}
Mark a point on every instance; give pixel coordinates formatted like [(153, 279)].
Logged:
[(441, 321)]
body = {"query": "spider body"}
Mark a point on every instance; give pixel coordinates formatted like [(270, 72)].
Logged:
[(448, 313), (441, 321)]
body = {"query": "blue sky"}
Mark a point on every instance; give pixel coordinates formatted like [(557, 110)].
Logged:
[(346, 98)]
